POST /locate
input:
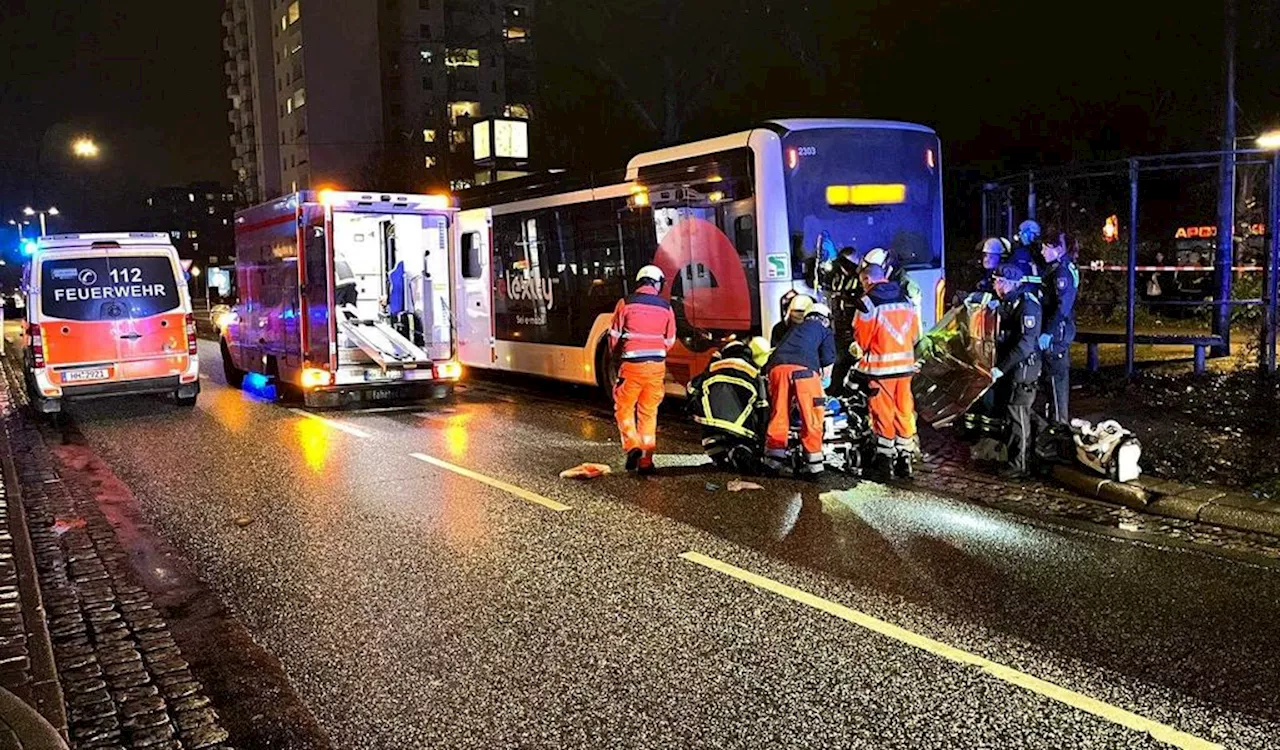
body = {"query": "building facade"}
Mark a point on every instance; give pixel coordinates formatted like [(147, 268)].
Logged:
[(198, 217), (370, 93)]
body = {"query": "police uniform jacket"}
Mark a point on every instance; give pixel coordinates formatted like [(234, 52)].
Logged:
[(1018, 344)]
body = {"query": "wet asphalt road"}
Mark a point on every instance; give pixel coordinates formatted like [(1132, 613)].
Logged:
[(415, 607)]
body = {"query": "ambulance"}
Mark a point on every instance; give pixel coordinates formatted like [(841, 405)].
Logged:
[(108, 314)]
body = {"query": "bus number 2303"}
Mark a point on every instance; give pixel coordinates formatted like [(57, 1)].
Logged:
[(126, 275), (803, 151)]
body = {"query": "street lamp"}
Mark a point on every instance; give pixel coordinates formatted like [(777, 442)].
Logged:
[(51, 211), (85, 148), (1269, 140)]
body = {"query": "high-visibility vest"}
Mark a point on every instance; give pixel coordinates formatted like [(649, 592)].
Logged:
[(887, 328), (729, 394)]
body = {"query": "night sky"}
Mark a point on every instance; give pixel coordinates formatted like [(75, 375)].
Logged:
[(1005, 89)]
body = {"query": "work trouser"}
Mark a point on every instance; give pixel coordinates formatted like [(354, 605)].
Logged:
[(893, 415), (1018, 409), (793, 384), (636, 398), (1057, 376)]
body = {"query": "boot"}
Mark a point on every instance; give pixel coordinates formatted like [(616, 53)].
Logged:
[(645, 465), (633, 458), (881, 467), (903, 467)]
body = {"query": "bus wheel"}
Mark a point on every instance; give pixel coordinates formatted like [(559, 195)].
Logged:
[(606, 372), (233, 375)]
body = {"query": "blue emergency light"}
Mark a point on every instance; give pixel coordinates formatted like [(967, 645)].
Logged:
[(29, 247)]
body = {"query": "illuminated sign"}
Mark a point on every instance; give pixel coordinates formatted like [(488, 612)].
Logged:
[(502, 139), (866, 195), (1111, 229), (1184, 233)]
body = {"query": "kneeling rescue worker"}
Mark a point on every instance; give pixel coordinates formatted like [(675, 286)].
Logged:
[(886, 330), (643, 331), (796, 372), (729, 401)]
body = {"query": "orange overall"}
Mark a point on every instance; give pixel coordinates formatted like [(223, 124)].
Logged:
[(643, 331), (886, 329), (788, 382)]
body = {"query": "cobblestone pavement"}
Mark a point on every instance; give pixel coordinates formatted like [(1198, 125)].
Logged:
[(124, 679)]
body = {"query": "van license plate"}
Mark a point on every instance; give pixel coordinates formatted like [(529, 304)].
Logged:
[(79, 376)]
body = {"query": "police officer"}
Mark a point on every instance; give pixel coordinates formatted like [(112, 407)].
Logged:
[(1018, 362), (1061, 282), (794, 308), (1025, 254)]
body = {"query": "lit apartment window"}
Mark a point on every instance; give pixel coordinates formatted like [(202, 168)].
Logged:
[(516, 32), (428, 135), (429, 162), (191, 197), (294, 187), (517, 110), (288, 105), (426, 56), (462, 58), (176, 234), (284, 22), (192, 234), (211, 210), (295, 12), (459, 110), (299, 98), (460, 184), (296, 50)]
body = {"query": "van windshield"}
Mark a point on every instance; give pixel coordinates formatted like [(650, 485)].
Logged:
[(107, 288)]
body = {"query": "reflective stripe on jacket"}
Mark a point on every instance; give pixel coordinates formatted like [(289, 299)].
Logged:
[(643, 327), (886, 329), (730, 395)]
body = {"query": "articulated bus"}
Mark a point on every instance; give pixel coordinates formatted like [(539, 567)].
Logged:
[(734, 222)]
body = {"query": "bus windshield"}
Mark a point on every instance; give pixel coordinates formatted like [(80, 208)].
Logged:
[(865, 187)]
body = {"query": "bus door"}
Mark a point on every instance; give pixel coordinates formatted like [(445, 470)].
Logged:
[(473, 280)]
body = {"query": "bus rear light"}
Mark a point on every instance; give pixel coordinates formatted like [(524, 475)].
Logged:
[(929, 160), (448, 370), (939, 300), (313, 377), (36, 344), (192, 346)]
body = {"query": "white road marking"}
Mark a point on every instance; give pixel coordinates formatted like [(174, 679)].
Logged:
[(1161, 732), (519, 492), (340, 426)]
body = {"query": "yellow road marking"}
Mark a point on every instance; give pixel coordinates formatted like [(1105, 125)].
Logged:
[(1161, 732), (356, 431), (519, 492)]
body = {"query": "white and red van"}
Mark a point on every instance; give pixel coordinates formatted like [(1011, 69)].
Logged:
[(108, 314)]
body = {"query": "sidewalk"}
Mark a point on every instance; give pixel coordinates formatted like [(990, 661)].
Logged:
[(125, 681), (947, 469)]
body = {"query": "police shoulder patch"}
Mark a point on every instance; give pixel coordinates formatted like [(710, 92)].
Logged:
[(1029, 321), (1062, 282)]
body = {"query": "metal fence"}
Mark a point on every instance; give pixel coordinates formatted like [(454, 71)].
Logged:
[(1148, 228)]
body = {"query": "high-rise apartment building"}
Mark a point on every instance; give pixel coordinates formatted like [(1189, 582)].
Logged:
[(370, 93)]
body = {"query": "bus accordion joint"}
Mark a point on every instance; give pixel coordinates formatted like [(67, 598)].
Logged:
[(866, 195)]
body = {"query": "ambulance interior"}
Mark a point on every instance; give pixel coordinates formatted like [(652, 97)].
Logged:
[(401, 313)]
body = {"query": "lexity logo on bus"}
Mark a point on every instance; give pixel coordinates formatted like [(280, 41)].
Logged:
[(522, 289)]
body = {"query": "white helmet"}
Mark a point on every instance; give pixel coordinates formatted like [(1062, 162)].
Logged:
[(819, 309), (876, 256), (651, 273)]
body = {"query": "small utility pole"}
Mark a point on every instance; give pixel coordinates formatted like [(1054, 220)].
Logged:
[(1225, 256)]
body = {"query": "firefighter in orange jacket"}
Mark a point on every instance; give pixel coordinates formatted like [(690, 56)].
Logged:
[(642, 332), (886, 329), (797, 371)]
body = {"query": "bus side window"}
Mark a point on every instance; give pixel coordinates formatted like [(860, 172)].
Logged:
[(470, 251), (744, 235)]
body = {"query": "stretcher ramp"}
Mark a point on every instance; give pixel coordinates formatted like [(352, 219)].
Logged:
[(382, 343)]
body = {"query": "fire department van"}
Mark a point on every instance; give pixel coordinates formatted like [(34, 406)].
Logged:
[(108, 315)]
